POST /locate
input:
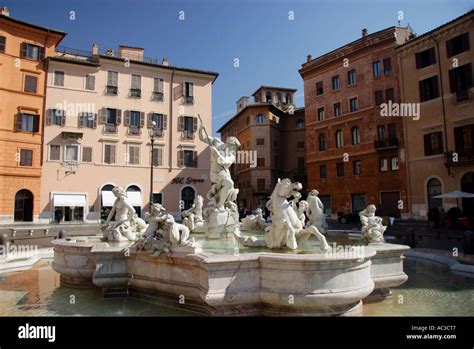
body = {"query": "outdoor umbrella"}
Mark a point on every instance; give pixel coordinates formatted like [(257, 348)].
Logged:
[(454, 195)]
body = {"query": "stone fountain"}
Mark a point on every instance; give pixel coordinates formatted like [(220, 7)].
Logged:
[(158, 259)]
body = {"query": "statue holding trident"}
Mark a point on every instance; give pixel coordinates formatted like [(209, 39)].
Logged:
[(222, 210)]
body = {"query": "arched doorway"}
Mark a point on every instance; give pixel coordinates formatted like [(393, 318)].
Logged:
[(135, 197), (433, 189), (106, 201), (24, 206), (187, 196), (467, 185)]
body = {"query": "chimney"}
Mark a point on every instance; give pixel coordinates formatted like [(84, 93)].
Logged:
[(364, 32), (165, 61), (309, 58), (110, 52), (242, 103), (95, 49), (4, 11)]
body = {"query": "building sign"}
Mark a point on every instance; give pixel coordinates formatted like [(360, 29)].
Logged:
[(188, 180)]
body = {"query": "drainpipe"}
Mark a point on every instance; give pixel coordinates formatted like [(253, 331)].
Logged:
[(442, 99), (170, 125)]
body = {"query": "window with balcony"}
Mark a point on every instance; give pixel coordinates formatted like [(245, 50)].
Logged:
[(429, 89), (187, 158), (31, 83), (322, 142), (136, 86), (187, 126), (26, 157), (89, 84), (320, 112), (27, 122), (111, 118), (339, 139), (33, 52), (433, 143), (158, 89), (323, 171), (376, 69), (457, 45), (353, 105), (340, 169), (355, 135), (2, 44), (357, 167), (319, 88), (425, 58), (109, 153), (135, 120), (112, 83), (387, 66), (460, 81), (337, 109), (188, 92), (161, 122), (336, 83), (351, 77)]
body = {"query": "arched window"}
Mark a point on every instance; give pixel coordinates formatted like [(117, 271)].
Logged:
[(355, 135), (300, 123), (433, 189), (268, 97), (322, 142), (288, 98), (259, 119), (339, 139), (23, 206), (278, 97), (187, 197)]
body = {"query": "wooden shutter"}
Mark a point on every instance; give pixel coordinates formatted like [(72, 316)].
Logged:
[(63, 117), (142, 119), (119, 117), (195, 124), (49, 116), (465, 41), (181, 123), (94, 123), (126, 120), (180, 158), (432, 53), (149, 119), (112, 153), (184, 88), (435, 87), (41, 53), (452, 80), (195, 158), (36, 123), (160, 156), (19, 119), (160, 85), (427, 144), (80, 119), (449, 49), (23, 49), (103, 115), (165, 121), (154, 159), (191, 89), (439, 135)]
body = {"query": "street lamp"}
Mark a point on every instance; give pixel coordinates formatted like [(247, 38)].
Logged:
[(152, 142)]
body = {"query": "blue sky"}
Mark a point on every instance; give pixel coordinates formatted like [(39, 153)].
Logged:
[(270, 47)]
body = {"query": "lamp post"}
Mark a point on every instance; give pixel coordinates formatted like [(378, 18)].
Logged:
[(152, 143)]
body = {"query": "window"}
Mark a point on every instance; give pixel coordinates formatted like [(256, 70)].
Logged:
[(359, 202), (260, 162), (112, 82), (336, 83), (71, 153), (160, 122), (351, 77), (301, 165), (300, 145), (109, 153), (278, 97), (187, 158), (378, 96), (86, 154), (460, 81), (54, 152), (261, 184), (434, 189), (376, 69), (383, 164), (394, 163), (2, 44), (464, 139), (260, 141), (457, 45), (392, 131), (188, 92), (340, 169), (319, 88), (389, 96), (433, 143), (353, 105), (27, 123), (188, 126), (429, 89), (90, 82), (26, 157), (112, 119), (320, 114), (288, 98), (133, 155), (259, 119), (136, 86), (322, 142), (355, 135), (425, 58), (157, 198), (56, 117), (58, 78), (158, 156), (381, 132), (339, 139), (33, 52), (300, 124), (30, 83), (268, 97), (337, 109), (357, 167), (387, 66), (134, 119), (88, 120), (323, 171), (158, 89)]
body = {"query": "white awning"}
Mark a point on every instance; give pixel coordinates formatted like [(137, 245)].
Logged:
[(108, 198), (135, 198), (75, 200)]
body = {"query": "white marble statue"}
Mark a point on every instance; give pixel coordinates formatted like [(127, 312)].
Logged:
[(286, 229), (315, 212), (302, 211), (122, 223), (164, 234), (253, 221), (192, 217), (221, 213), (372, 227)]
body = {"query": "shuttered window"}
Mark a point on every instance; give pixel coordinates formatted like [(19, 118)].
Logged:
[(109, 153), (58, 78), (54, 152), (31, 83), (90, 82), (86, 154), (134, 154), (2, 44), (158, 156), (26, 157)]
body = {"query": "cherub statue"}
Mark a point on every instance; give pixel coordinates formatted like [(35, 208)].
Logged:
[(372, 227)]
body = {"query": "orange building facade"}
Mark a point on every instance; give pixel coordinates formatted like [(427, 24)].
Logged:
[(23, 49)]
